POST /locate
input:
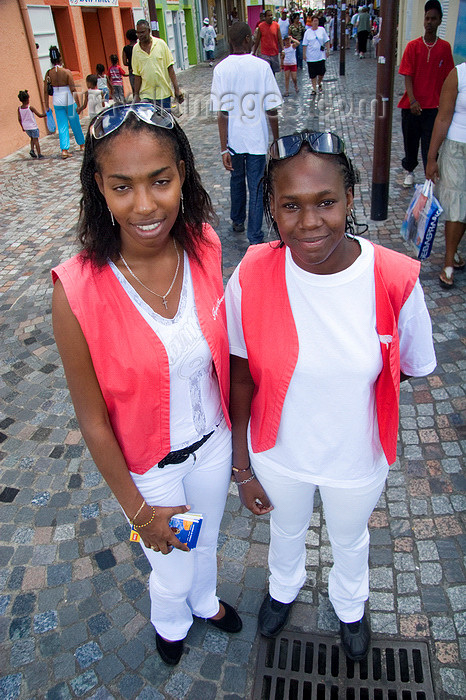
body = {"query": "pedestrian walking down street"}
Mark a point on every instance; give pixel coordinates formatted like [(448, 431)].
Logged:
[(243, 127), (65, 100), (426, 62), (146, 280), (116, 75), (296, 31), (448, 143), (364, 28), (28, 123), (127, 54), (102, 81), (153, 69), (269, 37), (316, 48), (209, 37), (323, 326)]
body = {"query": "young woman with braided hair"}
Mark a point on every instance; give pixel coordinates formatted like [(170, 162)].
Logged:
[(323, 327), (139, 320)]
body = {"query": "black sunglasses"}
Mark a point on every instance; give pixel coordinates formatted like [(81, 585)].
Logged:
[(318, 141)]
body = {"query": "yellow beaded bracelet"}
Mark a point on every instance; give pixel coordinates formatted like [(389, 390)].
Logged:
[(138, 527)]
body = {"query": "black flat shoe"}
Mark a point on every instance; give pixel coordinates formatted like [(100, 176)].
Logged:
[(230, 622), (355, 638), (273, 616), (170, 652)]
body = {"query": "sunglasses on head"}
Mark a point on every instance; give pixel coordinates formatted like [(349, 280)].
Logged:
[(113, 117), (318, 141)]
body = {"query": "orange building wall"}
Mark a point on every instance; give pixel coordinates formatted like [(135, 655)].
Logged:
[(17, 70), (16, 73)]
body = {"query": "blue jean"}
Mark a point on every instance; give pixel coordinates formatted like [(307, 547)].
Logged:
[(63, 116), (165, 103), (250, 167), (299, 55)]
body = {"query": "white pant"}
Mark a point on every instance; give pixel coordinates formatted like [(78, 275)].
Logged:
[(347, 512), (184, 583)]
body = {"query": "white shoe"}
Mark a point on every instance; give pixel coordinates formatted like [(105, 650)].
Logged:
[(409, 180)]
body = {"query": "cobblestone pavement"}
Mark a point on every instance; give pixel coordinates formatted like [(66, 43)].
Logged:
[(73, 591)]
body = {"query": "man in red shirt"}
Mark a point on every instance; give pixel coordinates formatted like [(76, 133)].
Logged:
[(425, 64), (269, 37)]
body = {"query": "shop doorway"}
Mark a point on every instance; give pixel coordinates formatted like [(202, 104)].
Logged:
[(100, 36)]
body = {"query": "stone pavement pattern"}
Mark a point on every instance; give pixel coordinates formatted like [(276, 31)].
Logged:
[(74, 605)]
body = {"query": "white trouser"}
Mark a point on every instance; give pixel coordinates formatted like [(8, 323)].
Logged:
[(347, 511), (184, 583)]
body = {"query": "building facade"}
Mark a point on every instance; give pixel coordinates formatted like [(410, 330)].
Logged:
[(87, 32)]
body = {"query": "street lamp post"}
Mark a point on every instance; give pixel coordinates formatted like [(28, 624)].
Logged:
[(383, 117)]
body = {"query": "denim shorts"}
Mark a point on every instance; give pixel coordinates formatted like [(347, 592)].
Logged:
[(33, 133)]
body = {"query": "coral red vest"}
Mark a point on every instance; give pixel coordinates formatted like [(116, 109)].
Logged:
[(130, 361), (272, 340)]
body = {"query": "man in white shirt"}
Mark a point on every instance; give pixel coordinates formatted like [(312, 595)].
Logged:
[(284, 23), (245, 95), (208, 36)]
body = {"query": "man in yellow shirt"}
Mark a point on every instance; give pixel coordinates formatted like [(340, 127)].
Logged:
[(153, 70)]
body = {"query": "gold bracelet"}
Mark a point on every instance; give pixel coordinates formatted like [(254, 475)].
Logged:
[(138, 527), (139, 510), (235, 469)]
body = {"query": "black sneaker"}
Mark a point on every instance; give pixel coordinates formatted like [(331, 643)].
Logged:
[(355, 638), (273, 616), (238, 228), (32, 154)]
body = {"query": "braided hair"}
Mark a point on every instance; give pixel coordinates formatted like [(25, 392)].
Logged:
[(55, 55), (350, 177), (99, 237)]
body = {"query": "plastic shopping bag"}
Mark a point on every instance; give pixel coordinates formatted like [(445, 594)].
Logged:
[(51, 126), (421, 218)]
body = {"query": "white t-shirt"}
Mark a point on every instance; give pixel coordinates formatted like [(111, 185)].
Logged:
[(245, 87), (313, 39), (328, 433), (284, 24), (195, 407), (94, 104), (209, 35)]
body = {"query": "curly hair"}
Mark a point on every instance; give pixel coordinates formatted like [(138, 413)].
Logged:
[(99, 237), (350, 178)]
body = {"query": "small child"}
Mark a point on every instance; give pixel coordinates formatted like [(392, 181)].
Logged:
[(102, 82), (93, 97), (116, 75), (289, 63), (28, 122)]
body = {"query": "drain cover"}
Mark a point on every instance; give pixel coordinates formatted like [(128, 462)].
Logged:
[(298, 666)]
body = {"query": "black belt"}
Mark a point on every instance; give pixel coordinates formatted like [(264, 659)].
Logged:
[(179, 456)]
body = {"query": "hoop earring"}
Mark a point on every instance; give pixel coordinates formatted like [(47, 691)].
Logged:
[(111, 216), (182, 203)]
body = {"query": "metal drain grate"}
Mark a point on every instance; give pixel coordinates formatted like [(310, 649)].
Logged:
[(297, 666)]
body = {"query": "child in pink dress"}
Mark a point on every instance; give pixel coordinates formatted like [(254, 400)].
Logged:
[(28, 122)]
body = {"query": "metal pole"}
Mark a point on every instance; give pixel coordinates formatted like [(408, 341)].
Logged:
[(342, 39), (154, 25), (383, 117)]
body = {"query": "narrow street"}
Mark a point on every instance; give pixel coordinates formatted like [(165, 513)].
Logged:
[(74, 607)]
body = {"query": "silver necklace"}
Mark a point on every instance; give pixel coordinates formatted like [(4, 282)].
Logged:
[(163, 297), (429, 47)]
